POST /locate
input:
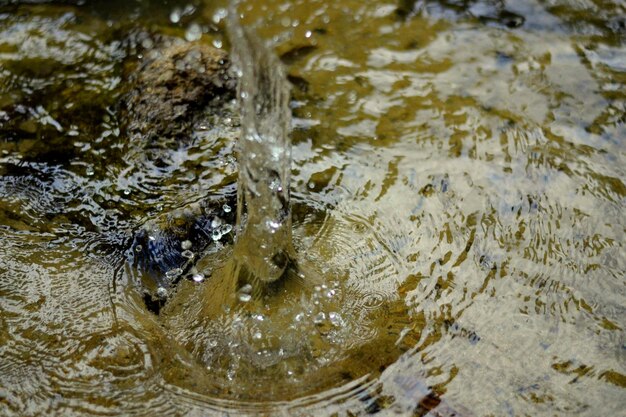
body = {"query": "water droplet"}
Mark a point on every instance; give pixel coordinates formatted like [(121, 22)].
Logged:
[(161, 292), (216, 234), (193, 32), (308, 34), (219, 15), (173, 273), (175, 16), (335, 319), (226, 208), (199, 277), (319, 318), (244, 298), (126, 192), (186, 244), (217, 43), (273, 225)]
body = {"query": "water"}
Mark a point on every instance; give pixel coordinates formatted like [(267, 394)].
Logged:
[(457, 184), (263, 249)]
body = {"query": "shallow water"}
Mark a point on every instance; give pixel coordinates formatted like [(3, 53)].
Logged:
[(458, 189)]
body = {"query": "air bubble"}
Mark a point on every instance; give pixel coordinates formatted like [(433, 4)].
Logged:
[(193, 32), (216, 235), (138, 248), (199, 277), (320, 318), (175, 16), (244, 298), (219, 15), (186, 244), (226, 208), (273, 225), (335, 319), (217, 43), (187, 254), (173, 273), (161, 292)]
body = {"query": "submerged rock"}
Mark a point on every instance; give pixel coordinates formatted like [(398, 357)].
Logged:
[(178, 90), (166, 249), (173, 91)]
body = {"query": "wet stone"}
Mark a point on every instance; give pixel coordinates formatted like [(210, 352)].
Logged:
[(173, 90), (178, 88), (158, 246)]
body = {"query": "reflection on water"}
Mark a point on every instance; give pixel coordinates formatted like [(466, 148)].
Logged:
[(458, 182)]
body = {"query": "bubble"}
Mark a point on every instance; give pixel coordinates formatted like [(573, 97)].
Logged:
[(308, 34), (219, 15), (216, 234), (175, 16), (319, 318), (199, 277), (227, 208), (227, 228), (138, 248), (161, 292), (173, 273), (193, 32), (217, 43), (335, 319), (187, 254), (186, 244), (244, 298), (273, 225)]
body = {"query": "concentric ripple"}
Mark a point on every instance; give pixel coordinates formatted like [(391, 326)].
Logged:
[(458, 197)]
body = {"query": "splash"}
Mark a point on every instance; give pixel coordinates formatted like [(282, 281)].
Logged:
[(263, 250)]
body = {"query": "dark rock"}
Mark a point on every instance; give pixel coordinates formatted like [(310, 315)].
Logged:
[(166, 248), (179, 89), (173, 90)]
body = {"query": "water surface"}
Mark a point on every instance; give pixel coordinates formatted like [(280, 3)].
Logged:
[(457, 185)]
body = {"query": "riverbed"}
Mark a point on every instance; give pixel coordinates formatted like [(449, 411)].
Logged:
[(458, 196)]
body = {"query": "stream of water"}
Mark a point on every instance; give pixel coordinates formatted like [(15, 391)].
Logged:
[(264, 248)]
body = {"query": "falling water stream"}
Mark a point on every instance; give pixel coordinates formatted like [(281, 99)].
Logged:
[(264, 248)]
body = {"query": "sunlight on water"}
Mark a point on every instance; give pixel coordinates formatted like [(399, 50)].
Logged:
[(456, 197)]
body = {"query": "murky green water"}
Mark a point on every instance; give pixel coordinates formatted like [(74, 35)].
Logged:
[(458, 189)]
